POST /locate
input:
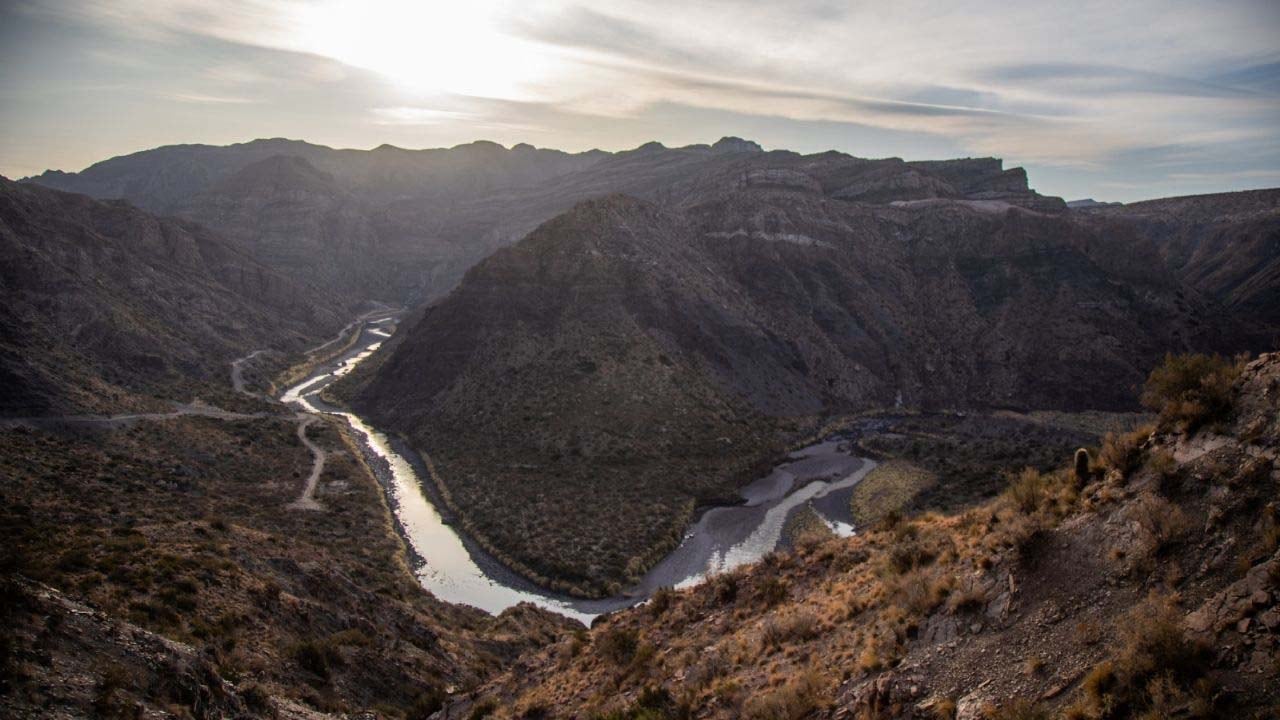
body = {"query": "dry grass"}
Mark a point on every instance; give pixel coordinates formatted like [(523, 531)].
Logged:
[(799, 697), (888, 488)]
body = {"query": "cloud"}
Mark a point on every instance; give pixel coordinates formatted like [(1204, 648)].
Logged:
[(417, 116), (208, 99)]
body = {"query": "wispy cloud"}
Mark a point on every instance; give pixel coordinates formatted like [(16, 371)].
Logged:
[(208, 99)]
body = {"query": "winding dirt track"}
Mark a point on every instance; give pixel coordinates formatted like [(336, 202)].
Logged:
[(307, 501)]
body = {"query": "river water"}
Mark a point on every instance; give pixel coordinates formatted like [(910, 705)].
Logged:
[(455, 569)]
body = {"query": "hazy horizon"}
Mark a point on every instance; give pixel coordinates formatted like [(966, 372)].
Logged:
[(1144, 101)]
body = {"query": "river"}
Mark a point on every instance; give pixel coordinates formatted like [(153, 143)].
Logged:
[(455, 569)]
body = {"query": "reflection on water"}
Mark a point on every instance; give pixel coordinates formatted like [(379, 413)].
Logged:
[(454, 569)]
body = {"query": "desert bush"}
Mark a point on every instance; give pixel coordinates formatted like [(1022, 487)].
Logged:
[(660, 601), (1160, 522), (796, 699), (1193, 389), (797, 626), (773, 591), (724, 588), (1156, 659), (617, 645), (1123, 451), (1028, 490)]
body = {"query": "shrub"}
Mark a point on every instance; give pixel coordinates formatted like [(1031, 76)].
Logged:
[(316, 657), (1156, 660), (1190, 390), (798, 626), (1160, 522), (617, 645), (796, 699), (1027, 490), (1123, 451), (773, 591)]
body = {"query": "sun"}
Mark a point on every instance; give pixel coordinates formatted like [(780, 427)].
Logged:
[(425, 47)]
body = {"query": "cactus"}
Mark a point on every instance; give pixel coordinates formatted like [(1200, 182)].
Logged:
[(1082, 466)]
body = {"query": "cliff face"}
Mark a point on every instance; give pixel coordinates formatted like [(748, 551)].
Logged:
[(105, 304), (624, 355)]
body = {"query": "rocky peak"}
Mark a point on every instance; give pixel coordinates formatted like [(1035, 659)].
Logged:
[(735, 145), (277, 174)]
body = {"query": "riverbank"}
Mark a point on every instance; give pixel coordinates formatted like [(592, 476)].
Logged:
[(454, 566)]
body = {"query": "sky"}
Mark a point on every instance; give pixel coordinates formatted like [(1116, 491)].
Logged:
[(1110, 100)]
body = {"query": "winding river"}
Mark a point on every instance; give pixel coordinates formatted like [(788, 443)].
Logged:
[(455, 569)]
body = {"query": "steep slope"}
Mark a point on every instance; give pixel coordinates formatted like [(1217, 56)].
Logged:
[(1144, 584), (1226, 245), (628, 362), (159, 569), (556, 378), (106, 305), (295, 219)]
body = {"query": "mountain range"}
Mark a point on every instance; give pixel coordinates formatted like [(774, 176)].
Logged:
[(596, 348)]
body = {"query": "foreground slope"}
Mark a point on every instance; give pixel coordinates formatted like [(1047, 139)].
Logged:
[(629, 362), (161, 568), (1144, 584), (107, 306)]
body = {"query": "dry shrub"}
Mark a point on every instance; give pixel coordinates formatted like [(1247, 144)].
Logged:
[(969, 595), (1156, 661), (773, 590), (1161, 523), (799, 697), (919, 591), (661, 601), (1028, 490), (797, 626), (1191, 390), (617, 645), (1123, 451)]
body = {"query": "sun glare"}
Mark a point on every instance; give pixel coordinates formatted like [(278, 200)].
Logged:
[(434, 47)]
